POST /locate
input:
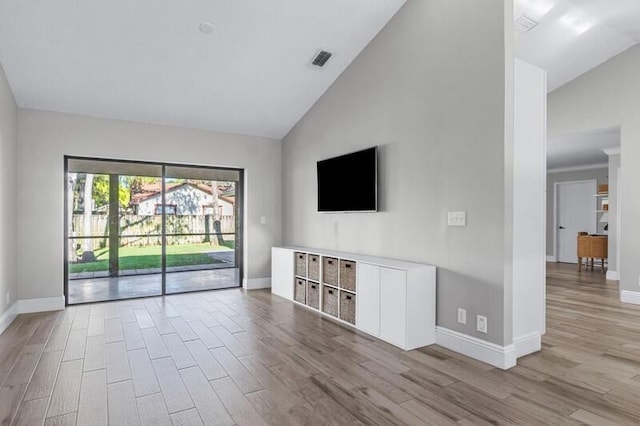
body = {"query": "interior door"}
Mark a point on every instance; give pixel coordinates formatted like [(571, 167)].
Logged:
[(576, 212)]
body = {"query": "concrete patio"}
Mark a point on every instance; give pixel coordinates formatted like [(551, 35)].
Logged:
[(97, 289)]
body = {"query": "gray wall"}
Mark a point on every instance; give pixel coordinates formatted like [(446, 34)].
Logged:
[(605, 97), (429, 90), (8, 217), (601, 175), (44, 139)]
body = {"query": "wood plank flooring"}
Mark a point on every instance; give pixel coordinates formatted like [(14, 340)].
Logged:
[(249, 358)]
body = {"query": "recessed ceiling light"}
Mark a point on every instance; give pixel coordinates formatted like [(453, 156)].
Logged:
[(206, 28)]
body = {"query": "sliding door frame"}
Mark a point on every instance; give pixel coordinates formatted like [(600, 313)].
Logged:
[(238, 210)]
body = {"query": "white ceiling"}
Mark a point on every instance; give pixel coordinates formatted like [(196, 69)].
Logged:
[(146, 60), (571, 38), (581, 149), (574, 36)]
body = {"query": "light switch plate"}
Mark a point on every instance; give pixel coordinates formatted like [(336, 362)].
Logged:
[(462, 316), (457, 219)]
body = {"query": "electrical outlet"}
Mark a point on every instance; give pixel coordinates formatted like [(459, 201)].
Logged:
[(457, 219), (481, 323), (462, 316)]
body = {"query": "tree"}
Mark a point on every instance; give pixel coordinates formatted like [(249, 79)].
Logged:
[(101, 192), (88, 213), (71, 183), (216, 212)]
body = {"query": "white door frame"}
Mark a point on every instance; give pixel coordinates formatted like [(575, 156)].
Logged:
[(618, 220), (556, 185)]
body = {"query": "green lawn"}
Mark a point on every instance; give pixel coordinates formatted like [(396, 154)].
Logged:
[(146, 257)]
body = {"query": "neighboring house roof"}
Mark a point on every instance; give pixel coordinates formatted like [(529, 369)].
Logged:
[(229, 199), (151, 190)]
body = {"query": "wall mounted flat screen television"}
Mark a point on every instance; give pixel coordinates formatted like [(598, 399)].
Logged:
[(349, 183)]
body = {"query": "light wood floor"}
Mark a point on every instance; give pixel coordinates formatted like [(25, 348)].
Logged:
[(232, 357)]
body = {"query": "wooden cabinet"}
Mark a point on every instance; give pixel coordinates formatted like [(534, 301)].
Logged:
[(389, 299)]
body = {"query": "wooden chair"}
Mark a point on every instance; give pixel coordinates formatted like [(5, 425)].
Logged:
[(583, 249), (592, 247), (599, 249)]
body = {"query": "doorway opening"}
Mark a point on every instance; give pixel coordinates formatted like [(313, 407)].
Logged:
[(138, 229), (587, 155)]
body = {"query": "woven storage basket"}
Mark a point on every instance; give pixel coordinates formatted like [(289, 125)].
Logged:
[(348, 307), (313, 295), (300, 290), (330, 300), (313, 269), (330, 271), (301, 264), (348, 275)]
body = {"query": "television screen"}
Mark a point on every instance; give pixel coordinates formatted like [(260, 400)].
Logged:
[(348, 183)]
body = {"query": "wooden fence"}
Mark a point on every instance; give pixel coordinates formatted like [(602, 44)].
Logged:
[(136, 229)]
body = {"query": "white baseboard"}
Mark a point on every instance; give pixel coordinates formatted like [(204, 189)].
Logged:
[(551, 259), (27, 306), (627, 296), (527, 344), (256, 283), (45, 304), (613, 276), (503, 357), (7, 318)]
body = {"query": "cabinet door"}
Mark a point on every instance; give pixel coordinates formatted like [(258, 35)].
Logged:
[(282, 280), (393, 306), (368, 298)]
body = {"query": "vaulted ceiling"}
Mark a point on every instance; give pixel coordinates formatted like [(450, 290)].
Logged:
[(569, 38), (225, 65), (244, 66), (573, 36)]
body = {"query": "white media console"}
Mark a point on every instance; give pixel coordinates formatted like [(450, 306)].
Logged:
[(390, 299)]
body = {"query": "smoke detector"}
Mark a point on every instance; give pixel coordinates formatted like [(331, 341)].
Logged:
[(524, 23), (206, 28)]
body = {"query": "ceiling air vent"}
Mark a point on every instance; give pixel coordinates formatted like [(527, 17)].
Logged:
[(321, 58), (523, 24)]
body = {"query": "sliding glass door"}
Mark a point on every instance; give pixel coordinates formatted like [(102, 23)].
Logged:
[(143, 229), (200, 213)]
